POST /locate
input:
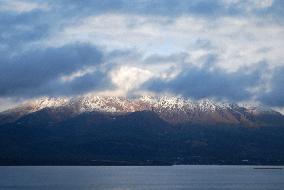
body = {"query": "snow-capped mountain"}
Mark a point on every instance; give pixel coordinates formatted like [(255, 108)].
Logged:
[(171, 109)]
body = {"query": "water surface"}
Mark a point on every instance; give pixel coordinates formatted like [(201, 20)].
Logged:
[(141, 178)]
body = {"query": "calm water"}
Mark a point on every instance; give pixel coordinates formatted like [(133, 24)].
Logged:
[(141, 178)]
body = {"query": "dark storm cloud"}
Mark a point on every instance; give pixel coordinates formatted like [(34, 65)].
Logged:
[(275, 95), (96, 80), (18, 29), (203, 82), (27, 73)]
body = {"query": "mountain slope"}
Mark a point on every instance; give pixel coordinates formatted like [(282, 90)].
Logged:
[(138, 138), (92, 130), (174, 110)]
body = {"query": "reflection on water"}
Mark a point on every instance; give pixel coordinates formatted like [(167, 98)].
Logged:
[(141, 178)]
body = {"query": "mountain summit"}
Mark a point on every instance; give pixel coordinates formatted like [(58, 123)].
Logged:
[(95, 130), (174, 110)]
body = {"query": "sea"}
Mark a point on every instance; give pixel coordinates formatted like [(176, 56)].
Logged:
[(180, 177)]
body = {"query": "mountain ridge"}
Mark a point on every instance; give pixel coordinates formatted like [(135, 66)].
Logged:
[(119, 131), (174, 110)]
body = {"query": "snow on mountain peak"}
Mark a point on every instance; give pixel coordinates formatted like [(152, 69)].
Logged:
[(170, 108), (43, 102)]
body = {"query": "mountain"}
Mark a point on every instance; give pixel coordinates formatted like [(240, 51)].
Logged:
[(93, 130), (12, 115), (174, 110)]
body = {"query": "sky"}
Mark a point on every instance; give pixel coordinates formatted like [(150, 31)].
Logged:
[(226, 50)]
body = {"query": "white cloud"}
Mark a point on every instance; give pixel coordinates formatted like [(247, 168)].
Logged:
[(264, 3), (237, 41), (7, 103), (249, 5), (78, 74), (21, 6), (279, 109), (127, 79)]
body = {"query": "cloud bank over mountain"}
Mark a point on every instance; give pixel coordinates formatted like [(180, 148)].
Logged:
[(224, 49)]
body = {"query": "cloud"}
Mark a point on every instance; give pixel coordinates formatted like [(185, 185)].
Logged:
[(274, 96), (29, 72), (249, 5), (144, 7), (238, 42), (128, 79), (169, 8), (124, 47), (93, 82), (7, 103), (21, 6), (203, 82), (18, 32)]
